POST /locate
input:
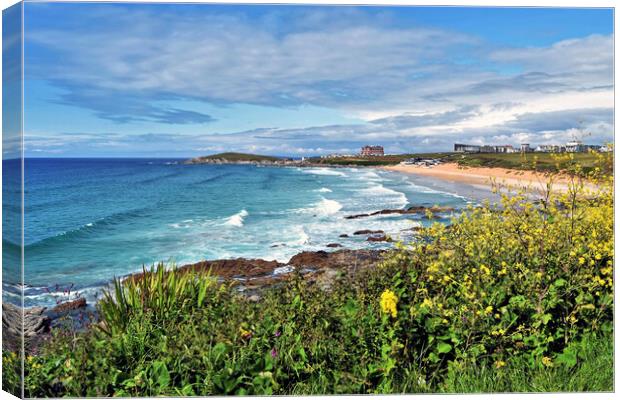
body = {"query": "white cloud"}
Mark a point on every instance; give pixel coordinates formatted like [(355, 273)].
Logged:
[(406, 83)]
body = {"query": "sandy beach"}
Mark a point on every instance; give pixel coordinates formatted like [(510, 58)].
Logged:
[(485, 177)]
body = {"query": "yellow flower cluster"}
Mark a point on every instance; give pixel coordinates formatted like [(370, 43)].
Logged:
[(547, 362), (388, 302)]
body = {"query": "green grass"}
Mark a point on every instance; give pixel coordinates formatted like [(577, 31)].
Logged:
[(594, 372)]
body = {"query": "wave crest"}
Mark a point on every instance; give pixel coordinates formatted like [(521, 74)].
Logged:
[(323, 171), (326, 207), (237, 219)]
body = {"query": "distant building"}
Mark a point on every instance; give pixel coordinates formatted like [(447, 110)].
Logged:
[(472, 148), (372, 151), (574, 147), (466, 148), (548, 148), (505, 149), (571, 147)]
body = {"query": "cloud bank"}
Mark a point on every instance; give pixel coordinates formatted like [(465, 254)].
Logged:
[(415, 87)]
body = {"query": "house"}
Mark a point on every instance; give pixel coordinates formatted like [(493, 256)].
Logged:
[(372, 151)]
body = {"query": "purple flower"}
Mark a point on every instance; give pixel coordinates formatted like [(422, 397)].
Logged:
[(274, 353), (277, 334)]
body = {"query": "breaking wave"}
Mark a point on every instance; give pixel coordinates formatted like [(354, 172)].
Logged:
[(237, 219)]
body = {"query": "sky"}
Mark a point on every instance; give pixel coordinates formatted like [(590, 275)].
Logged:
[(157, 80)]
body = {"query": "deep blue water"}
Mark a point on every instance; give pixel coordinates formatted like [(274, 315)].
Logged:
[(88, 220)]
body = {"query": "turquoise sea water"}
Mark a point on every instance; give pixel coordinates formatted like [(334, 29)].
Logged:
[(88, 220)]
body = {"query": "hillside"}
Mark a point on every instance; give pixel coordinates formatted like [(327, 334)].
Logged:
[(233, 157)]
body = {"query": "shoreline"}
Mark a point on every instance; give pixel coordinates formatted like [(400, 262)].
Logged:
[(485, 177), (250, 277)]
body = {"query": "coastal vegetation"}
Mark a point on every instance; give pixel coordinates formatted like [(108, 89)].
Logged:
[(516, 296), (544, 162)]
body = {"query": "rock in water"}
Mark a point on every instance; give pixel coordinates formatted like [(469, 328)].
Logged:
[(367, 232), (380, 238)]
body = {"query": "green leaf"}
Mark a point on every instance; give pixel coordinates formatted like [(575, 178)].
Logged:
[(161, 374), (443, 347), (568, 357), (559, 282)]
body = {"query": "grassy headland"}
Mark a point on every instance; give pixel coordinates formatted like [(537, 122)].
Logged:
[(514, 298), (523, 161), (235, 157)]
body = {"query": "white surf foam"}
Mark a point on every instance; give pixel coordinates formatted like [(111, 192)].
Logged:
[(323, 171), (326, 207), (324, 190), (237, 219), (396, 197)]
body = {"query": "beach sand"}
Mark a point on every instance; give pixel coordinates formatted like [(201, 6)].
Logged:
[(485, 177)]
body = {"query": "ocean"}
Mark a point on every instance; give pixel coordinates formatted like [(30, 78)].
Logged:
[(89, 220)]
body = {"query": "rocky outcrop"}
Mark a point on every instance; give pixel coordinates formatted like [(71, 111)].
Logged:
[(411, 210), (36, 326), (332, 245)]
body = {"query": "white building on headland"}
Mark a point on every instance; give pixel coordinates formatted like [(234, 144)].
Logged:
[(574, 146), (473, 148)]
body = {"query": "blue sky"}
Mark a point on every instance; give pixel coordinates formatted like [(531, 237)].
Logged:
[(153, 80)]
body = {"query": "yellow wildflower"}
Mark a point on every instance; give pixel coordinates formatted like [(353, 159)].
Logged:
[(388, 302), (547, 362), (245, 334), (500, 364)]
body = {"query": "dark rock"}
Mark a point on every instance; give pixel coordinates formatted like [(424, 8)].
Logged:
[(380, 238), (70, 305), (367, 232), (344, 235), (410, 210), (356, 216), (334, 245), (383, 212), (433, 209)]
